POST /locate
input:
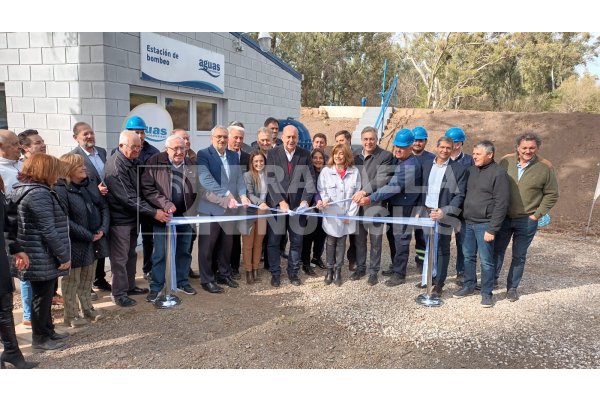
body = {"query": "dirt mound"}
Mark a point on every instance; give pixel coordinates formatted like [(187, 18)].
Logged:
[(570, 141)]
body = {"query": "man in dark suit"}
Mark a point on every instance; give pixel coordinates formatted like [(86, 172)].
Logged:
[(445, 185), (222, 180), (290, 181), (236, 140), (94, 158), (272, 124)]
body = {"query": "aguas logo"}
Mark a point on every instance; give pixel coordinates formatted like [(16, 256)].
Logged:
[(211, 68)]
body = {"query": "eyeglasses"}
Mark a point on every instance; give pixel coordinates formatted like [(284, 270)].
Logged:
[(177, 149), (134, 147), (219, 137)]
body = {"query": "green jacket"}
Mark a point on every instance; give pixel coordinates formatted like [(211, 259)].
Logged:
[(537, 191)]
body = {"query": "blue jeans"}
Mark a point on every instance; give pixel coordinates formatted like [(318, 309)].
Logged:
[(26, 297), (474, 244), (522, 230), (183, 257)]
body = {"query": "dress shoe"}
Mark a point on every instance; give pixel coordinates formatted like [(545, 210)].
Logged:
[(124, 301), (356, 275), (351, 266), (512, 294), (59, 336), (228, 281), (387, 272), (275, 281), (187, 289), (137, 291), (318, 262), (236, 275), (436, 291), (49, 345), (102, 285), (212, 287), (395, 280), (308, 269), (373, 280), (294, 280), (194, 275)]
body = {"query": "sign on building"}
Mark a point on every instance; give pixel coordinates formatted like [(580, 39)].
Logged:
[(171, 61), (158, 123)]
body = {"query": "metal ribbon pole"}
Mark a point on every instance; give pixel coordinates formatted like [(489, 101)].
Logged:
[(167, 299), (426, 299)]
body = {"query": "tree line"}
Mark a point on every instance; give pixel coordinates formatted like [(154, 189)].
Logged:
[(493, 71)]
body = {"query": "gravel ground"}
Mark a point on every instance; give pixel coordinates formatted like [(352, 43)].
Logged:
[(553, 325)]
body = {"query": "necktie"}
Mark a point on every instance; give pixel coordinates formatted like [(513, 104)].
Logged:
[(290, 167)]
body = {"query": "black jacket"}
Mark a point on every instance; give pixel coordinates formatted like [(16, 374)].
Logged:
[(453, 190), (487, 196), (121, 176), (6, 281), (38, 226), (88, 214), (294, 188)]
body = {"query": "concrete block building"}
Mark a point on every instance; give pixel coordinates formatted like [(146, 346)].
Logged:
[(51, 80)]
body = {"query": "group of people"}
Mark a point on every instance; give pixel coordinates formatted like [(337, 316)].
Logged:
[(65, 216)]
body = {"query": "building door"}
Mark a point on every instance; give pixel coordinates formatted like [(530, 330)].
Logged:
[(196, 114)]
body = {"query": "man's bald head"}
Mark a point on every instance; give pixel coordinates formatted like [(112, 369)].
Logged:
[(9, 145)]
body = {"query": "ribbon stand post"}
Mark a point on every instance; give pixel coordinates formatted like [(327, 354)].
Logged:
[(426, 299), (167, 299)]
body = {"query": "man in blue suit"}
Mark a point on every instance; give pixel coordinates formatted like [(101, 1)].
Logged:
[(222, 182)]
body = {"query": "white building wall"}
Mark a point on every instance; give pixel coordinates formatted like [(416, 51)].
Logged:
[(55, 79)]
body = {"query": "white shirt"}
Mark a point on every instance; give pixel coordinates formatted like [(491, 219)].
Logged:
[(289, 155), (96, 161), (9, 169), (436, 176)]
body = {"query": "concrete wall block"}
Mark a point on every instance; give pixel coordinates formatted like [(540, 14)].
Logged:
[(112, 107), (80, 90), (3, 41), (119, 91), (93, 106), (59, 121), (217, 41), (57, 89), (133, 60), (19, 73), (66, 141), (246, 84), (90, 38), (17, 40), (110, 39), (15, 120), (91, 72), (65, 38), (114, 124), (40, 39), (235, 105), (69, 106), (51, 137), (80, 54), (9, 56), (66, 72), (22, 104), (122, 107), (54, 55), (42, 73), (251, 75), (240, 72), (97, 54), (98, 123), (56, 151), (81, 118), (235, 59), (99, 89), (115, 56), (35, 121), (34, 89), (204, 37), (126, 75), (13, 89), (46, 106), (128, 42), (30, 56)]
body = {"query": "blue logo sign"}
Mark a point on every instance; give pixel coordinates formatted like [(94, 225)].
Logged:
[(211, 68)]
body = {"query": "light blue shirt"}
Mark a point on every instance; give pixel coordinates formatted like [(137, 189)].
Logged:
[(224, 161), (96, 161), (521, 170), (436, 177)]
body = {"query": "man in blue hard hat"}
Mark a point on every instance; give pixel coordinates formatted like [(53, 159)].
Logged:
[(138, 125), (404, 193), (458, 137)]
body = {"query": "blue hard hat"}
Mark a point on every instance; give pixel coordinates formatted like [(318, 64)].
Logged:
[(456, 134), (420, 133), (404, 137), (135, 123)]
